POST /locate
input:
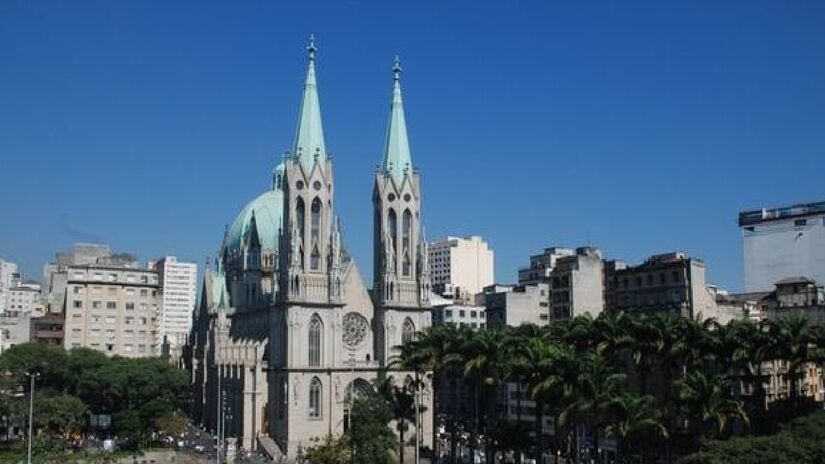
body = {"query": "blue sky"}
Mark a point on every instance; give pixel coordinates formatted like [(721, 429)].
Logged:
[(640, 127)]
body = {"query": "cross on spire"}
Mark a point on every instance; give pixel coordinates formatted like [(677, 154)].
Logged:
[(311, 48)]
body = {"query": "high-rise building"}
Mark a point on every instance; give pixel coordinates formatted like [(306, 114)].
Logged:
[(8, 273), (178, 281), (778, 243), (112, 306), (461, 267)]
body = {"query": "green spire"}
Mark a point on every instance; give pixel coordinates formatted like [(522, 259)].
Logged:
[(397, 157), (309, 138)]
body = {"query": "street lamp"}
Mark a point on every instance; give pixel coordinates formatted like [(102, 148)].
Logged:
[(32, 376)]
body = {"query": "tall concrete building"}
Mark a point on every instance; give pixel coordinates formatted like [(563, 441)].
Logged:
[(112, 306), (8, 273), (287, 322), (461, 267), (577, 284), (778, 243), (514, 305), (178, 281), (542, 264), (671, 282)]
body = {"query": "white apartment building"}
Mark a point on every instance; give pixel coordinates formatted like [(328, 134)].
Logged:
[(8, 271), (112, 307), (778, 243), (178, 280), (461, 267)]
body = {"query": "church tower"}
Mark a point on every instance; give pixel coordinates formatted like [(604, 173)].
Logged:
[(311, 257), (401, 273)]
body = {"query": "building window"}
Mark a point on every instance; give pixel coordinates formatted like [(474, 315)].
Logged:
[(77, 304), (316, 330), (111, 305), (406, 232), (448, 312), (130, 305), (392, 228), (800, 222), (315, 398), (315, 232), (407, 331), (97, 304)]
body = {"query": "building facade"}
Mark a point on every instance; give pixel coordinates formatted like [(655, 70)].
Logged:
[(112, 307), (778, 243), (178, 282), (287, 332), (8, 271), (577, 284), (461, 267), (514, 305)]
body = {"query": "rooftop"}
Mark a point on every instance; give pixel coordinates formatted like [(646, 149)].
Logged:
[(786, 212)]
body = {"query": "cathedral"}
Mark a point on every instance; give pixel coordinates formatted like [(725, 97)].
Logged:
[(287, 331)]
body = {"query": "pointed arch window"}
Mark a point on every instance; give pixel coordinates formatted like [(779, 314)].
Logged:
[(316, 332), (392, 227), (407, 331), (315, 398), (406, 234), (300, 217), (315, 233)]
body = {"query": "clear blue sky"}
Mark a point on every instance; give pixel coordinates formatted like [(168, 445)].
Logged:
[(637, 127)]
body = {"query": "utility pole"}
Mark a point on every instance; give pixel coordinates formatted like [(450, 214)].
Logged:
[(218, 418), (417, 416), (32, 376)]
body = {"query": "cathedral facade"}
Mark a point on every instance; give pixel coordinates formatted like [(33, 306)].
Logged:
[(287, 331)]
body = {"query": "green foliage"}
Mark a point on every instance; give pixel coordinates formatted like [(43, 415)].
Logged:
[(800, 442), (368, 441), (655, 381), (370, 435), (60, 415), (142, 395), (329, 450)]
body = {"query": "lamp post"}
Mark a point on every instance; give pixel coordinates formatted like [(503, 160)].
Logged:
[(32, 377)]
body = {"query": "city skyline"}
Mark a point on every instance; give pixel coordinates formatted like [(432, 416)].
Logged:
[(180, 127)]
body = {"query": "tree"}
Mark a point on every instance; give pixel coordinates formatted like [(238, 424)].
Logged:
[(631, 418), (402, 407), (329, 450), (484, 364), (707, 404), (370, 436), (60, 415), (595, 386)]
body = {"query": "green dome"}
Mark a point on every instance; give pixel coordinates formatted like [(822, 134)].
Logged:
[(268, 211)]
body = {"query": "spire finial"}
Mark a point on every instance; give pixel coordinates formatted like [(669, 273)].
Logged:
[(396, 68), (311, 47)]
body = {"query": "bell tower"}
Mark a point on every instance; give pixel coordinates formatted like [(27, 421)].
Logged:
[(402, 283), (311, 258)]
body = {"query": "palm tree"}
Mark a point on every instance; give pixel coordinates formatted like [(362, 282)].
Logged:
[(789, 337), (402, 406), (485, 363), (632, 418), (596, 385), (435, 349), (707, 404), (542, 365)]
